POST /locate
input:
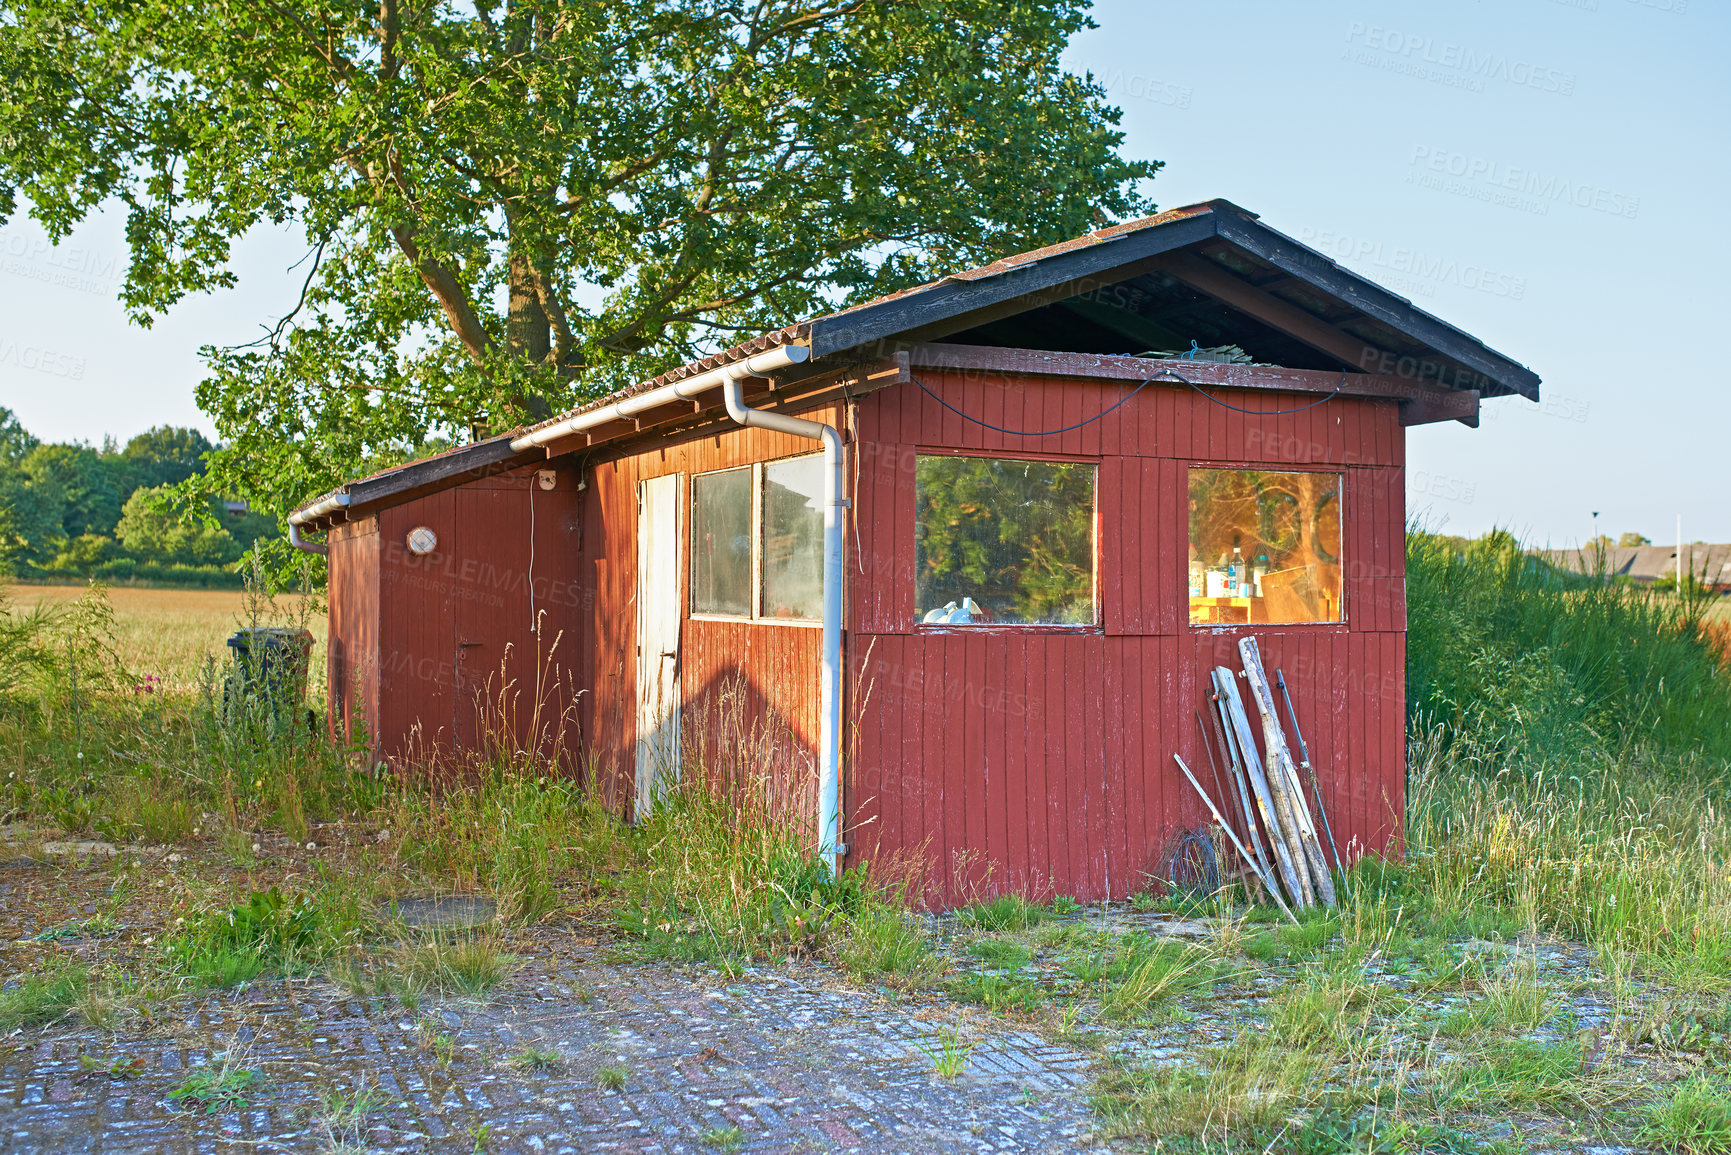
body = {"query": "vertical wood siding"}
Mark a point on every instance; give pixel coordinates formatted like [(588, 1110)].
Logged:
[(1041, 761), (352, 669), (756, 680), (459, 654)]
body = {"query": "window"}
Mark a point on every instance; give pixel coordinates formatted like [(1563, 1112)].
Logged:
[(1264, 547), (1002, 541), (721, 543), (793, 538), (757, 541)]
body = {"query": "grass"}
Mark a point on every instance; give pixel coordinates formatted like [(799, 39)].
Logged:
[(728, 1139), (222, 1085), (537, 1059), (949, 1055), (1693, 1118), (1568, 777), (39, 999)]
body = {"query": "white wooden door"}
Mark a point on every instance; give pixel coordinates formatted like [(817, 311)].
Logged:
[(658, 617)]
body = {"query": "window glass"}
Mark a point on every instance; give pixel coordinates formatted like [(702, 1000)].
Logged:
[(793, 538), (1264, 547), (1003, 541), (721, 543)]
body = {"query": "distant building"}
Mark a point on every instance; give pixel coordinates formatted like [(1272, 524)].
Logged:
[(1646, 564)]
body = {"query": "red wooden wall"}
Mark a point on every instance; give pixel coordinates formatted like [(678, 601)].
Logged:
[(754, 679), (1041, 760), (453, 649), (1010, 758)]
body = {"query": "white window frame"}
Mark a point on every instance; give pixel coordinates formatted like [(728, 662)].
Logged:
[(756, 616)]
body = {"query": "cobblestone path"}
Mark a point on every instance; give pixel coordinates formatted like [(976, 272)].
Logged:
[(790, 1061)]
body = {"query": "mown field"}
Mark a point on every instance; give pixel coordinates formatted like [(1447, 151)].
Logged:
[(1548, 966)]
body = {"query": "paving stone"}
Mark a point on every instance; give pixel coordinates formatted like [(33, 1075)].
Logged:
[(794, 1062)]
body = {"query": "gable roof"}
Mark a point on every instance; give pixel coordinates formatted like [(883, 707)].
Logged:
[(1206, 274)]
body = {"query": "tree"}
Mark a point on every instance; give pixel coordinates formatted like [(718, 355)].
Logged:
[(152, 530), (76, 477), (510, 209), (16, 442), (163, 455), (1629, 540)]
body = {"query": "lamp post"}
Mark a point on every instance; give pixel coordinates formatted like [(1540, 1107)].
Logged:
[(1598, 546)]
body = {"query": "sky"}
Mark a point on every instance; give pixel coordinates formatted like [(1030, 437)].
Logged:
[(1546, 174)]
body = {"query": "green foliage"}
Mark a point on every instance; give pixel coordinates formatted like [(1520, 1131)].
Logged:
[(150, 529), (544, 201), (1006, 912), (1016, 536), (1524, 663), (1693, 1118), (217, 1087), (74, 510), (268, 931), (42, 998)]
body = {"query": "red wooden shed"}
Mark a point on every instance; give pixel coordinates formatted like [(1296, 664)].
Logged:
[(954, 564)]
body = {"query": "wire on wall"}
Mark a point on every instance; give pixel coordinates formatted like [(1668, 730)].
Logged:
[(1164, 373)]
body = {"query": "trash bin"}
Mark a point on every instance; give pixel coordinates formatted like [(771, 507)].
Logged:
[(271, 662)]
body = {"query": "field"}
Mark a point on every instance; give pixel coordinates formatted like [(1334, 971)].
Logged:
[(170, 633), (1548, 967)]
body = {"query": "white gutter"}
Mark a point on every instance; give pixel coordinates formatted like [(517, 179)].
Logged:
[(779, 357), (829, 695), (321, 508)]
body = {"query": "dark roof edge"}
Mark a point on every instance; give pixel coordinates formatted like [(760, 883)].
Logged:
[(479, 459), (1300, 260), (952, 298)]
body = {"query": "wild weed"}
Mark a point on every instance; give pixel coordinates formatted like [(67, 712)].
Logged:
[(728, 1139), (1692, 1118), (43, 998), (1002, 954), (1154, 975), (1006, 912), (886, 943), (221, 1085), (949, 1055), (611, 1078), (537, 1059)]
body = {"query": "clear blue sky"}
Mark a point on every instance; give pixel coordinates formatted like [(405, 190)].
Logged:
[(1549, 176)]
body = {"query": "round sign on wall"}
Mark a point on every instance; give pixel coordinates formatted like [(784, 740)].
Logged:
[(423, 540)]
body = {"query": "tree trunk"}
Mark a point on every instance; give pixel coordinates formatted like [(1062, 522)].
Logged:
[(527, 333)]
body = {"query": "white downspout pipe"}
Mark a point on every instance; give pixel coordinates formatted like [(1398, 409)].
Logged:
[(300, 517), (829, 695)]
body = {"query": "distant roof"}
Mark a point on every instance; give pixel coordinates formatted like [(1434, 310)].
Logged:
[(1710, 563)]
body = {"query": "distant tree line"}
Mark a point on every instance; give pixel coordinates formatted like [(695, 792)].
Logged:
[(80, 511)]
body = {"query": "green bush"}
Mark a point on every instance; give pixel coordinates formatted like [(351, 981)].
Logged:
[(1520, 661)]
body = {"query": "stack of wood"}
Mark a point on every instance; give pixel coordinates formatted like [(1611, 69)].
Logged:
[(1264, 813)]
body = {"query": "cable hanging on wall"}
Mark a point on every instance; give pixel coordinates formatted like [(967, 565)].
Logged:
[(1164, 373)]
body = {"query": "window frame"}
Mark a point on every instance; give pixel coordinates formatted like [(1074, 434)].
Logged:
[(1340, 624), (1096, 625), (759, 473)]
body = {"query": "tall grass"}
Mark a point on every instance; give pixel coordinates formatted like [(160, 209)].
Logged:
[(1518, 660), (1570, 754)]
